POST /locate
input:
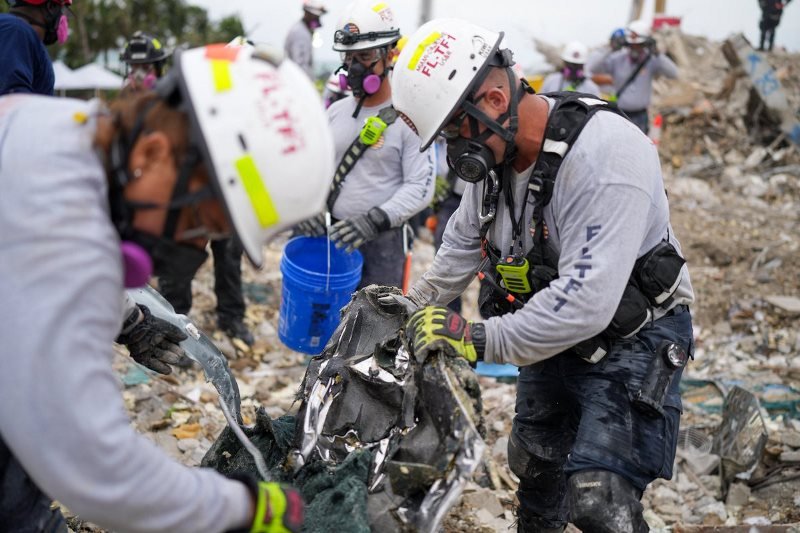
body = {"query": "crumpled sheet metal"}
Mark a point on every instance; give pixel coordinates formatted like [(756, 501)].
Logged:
[(418, 418)]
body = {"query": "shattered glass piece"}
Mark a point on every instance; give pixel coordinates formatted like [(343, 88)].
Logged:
[(742, 436), (197, 347)]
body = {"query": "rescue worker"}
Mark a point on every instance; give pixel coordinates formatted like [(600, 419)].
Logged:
[(392, 180), (633, 69), (298, 45), (573, 75), (112, 192), (335, 88), (145, 61), (25, 31), (605, 82), (771, 12), (566, 213)]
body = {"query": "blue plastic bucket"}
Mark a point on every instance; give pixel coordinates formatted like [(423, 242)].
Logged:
[(312, 297)]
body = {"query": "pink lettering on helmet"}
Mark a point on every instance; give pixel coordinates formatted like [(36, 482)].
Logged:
[(274, 113), (436, 55)]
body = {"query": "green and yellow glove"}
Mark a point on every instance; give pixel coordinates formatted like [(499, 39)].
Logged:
[(279, 509), (432, 324)]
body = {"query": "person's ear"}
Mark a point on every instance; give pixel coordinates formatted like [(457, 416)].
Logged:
[(151, 153), (497, 99)]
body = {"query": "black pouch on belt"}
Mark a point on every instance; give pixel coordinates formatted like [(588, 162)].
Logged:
[(632, 314), (669, 357), (658, 273)]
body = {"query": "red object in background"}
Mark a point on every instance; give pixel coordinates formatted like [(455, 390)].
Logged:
[(660, 21), (655, 130)]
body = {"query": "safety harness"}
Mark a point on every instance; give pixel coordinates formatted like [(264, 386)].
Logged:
[(368, 136), (655, 277)]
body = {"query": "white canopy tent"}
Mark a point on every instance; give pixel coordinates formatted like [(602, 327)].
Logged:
[(88, 77)]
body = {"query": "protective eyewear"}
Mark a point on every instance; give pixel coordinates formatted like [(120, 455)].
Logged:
[(363, 56)]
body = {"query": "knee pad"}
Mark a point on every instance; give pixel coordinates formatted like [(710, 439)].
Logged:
[(600, 501)]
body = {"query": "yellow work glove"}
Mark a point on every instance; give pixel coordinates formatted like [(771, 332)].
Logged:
[(432, 324), (279, 509)]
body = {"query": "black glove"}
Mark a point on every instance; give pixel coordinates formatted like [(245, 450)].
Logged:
[(355, 231), (312, 227), (152, 342)]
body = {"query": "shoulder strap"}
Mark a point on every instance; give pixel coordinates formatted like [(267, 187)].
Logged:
[(570, 115), (633, 75), (367, 136)]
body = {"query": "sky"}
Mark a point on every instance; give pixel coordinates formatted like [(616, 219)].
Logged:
[(554, 21)]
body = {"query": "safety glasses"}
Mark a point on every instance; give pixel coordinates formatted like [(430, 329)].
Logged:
[(363, 56)]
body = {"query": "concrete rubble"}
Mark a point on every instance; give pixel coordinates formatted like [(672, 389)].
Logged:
[(733, 178)]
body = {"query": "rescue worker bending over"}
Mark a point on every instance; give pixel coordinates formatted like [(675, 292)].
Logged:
[(391, 180), (566, 215), (113, 192), (573, 75)]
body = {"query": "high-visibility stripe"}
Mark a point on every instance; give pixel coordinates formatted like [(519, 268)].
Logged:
[(429, 40), (263, 207), (221, 74), (377, 8), (220, 51)]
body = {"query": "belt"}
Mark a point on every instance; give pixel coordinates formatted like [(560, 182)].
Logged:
[(678, 309)]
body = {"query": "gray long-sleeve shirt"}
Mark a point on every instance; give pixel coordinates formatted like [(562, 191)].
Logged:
[(61, 411), (298, 46), (608, 208), (555, 82), (637, 95), (392, 174)]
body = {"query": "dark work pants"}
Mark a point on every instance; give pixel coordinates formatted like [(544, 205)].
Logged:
[(24, 508), (767, 27), (641, 119), (227, 283), (446, 210), (573, 416), (383, 259)]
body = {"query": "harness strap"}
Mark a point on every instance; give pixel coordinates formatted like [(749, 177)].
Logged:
[(351, 156)]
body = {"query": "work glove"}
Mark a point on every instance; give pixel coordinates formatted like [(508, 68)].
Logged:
[(355, 231), (151, 341), (433, 324), (395, 303), (312, 227), (279, 509)]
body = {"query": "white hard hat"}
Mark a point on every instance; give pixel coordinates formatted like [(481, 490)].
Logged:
[(365, 24), (436, 72), (575, 52), (268, 149), (638, 32), (315, 8)]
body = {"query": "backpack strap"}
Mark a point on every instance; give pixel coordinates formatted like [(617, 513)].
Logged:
[(368, 135), (570, 115)]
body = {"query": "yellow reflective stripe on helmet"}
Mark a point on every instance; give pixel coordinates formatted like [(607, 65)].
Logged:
[(429, 40), (270, 499), (377, 8), (221, 73), (156, 44), (256, 191)]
